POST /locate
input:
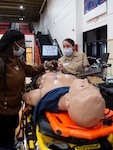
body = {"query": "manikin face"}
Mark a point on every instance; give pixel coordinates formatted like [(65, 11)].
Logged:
[(85, 104)]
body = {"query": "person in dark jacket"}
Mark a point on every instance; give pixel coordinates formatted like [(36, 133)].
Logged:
[(12, 76)]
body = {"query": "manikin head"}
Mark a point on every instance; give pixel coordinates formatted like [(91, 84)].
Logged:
[(85, 104)]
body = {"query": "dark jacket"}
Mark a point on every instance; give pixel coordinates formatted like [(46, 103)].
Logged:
[(16, 71)]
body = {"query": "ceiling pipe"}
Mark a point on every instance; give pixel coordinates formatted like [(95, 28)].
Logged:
[(43, 4)]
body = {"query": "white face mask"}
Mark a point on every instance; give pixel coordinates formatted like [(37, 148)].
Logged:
[(20, 51), (68, 51)]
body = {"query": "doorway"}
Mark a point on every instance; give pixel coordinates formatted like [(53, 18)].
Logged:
[(29, 60), (95, 43)]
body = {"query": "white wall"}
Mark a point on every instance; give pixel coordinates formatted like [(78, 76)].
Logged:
[(79, 23), (95, 18), (60, 19), (36, 27), (65, 18)]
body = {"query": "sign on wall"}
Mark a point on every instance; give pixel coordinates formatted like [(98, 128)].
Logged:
[(91, 4)]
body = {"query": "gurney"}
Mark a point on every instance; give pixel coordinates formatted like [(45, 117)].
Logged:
[(57, 131), (53, 130)]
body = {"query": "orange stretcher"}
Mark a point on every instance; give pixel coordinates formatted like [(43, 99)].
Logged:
[(59, 130), (62, 125), (56, 129)]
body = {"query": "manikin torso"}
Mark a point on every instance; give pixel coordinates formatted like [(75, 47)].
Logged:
[(82, 98), (52, 80)]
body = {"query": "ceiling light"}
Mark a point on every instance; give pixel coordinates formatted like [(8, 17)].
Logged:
[(21, 7), (21, 18)]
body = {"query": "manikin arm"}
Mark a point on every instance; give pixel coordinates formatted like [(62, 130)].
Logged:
[(32, 97)]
